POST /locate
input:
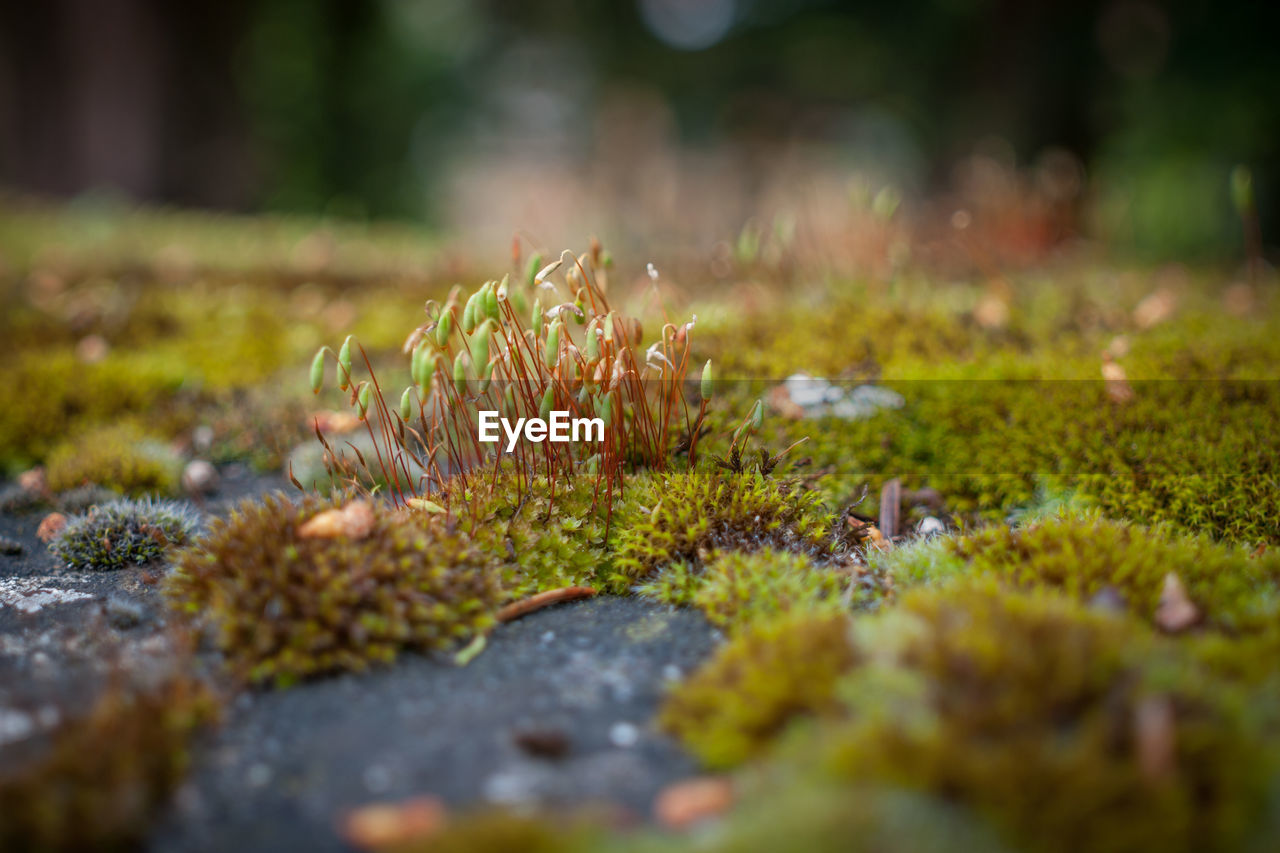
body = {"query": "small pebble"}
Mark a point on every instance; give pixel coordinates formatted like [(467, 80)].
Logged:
[(671, 672), (623, 735), (931, 526), (10, 547), (199, 477)]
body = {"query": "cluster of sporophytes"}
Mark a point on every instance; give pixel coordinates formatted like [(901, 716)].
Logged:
[(523, 349), (105, 775), (320, 585), (123, 533), (1060, 726)]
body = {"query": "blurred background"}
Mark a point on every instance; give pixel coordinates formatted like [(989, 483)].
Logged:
[(675, 122)]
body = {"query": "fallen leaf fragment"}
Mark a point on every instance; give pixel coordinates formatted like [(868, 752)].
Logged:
[(51, 526), (353, 521), (1176, 612), (1155, 732), (690, 801), (1155, 308), (392, 824), (1118, 388)]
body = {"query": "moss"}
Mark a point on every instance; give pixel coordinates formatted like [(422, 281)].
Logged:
[(47, 395), (106, 774), (544, 541), (746, 695), (1235, 591), (1067, 728), (124, 533), (118, 457), (739, 589), (287, 606), (824, 818), (684, 517)]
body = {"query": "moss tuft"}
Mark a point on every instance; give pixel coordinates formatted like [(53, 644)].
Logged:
[(739, 589), (119, 458), (1235, 590), (124, 533), (288, 606), (737, 703), (685, 517), (544, 542), (1066, 728)]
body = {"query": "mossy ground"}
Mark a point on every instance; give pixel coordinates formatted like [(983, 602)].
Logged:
[(1007, 681)]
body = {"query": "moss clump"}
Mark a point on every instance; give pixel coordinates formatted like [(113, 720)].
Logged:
[(46, 395), (106, 774), (1068, 729), (990, 447), (737, 703), (124, 533), (287, 605), (685, 517), (1235, 590), (116, 457), (739, 589), (543, 541)]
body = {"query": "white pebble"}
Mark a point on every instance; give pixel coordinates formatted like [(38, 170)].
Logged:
[(623, 735)]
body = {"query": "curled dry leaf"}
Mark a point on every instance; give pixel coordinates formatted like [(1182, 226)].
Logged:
[(392, 824), (51, 526), (353, 521), (1176, 612), (687, 802)]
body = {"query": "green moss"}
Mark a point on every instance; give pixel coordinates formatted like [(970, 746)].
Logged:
[(1234, 590), (740, 589), (287, 606), (105, 775), (746, 695), (124, 533), (48, 395), (802, 814), (1067, 728), (684, 517), (505, 832), (543, 541), (118, 457)]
